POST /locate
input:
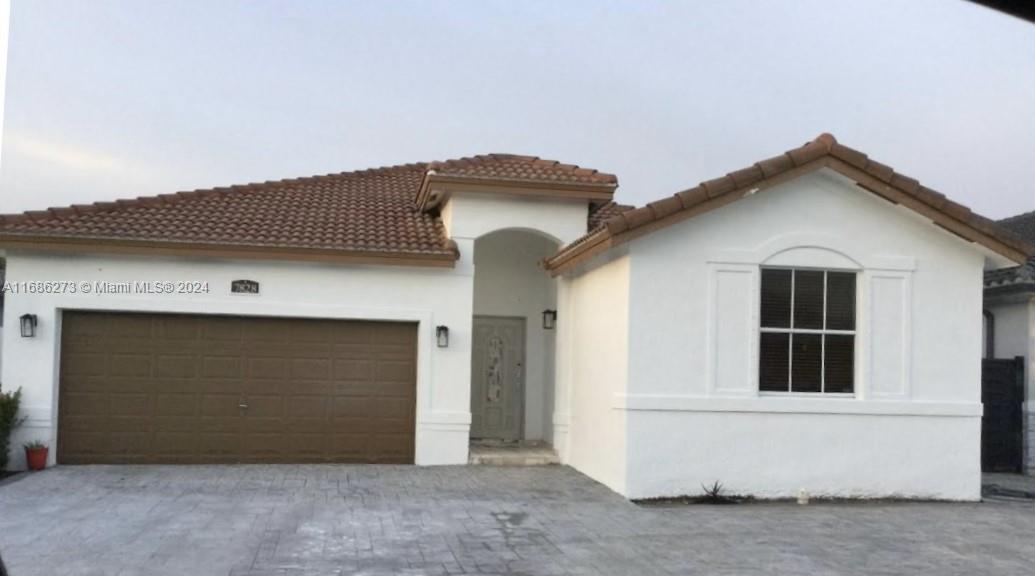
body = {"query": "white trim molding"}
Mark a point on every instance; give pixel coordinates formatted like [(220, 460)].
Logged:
[(793, 405)]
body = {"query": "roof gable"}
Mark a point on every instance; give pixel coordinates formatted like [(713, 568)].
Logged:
[(823, 152)]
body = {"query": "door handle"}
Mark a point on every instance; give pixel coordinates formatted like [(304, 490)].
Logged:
[(242, 406)]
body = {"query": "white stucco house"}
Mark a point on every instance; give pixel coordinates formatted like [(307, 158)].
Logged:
[(811, 322), (1010, 325)]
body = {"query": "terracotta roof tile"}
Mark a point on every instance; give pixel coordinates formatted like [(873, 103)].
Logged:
[(521, 168), (602, 213), (367, 211), (1022, 224), (1020, 276), (885, 181)]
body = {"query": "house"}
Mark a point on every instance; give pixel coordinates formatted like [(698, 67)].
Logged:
[(811, 322), (1010, 326)]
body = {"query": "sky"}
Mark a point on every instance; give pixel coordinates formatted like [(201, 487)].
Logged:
[(117, 99)]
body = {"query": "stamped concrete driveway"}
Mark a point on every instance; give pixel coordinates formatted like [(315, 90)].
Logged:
[(302, 520)]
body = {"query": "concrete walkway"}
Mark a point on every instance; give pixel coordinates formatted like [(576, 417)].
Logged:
[(309, 520)]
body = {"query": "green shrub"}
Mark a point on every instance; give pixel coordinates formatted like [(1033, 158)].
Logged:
[(9, 402)]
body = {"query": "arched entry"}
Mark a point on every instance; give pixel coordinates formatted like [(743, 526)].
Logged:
[(512, 353)]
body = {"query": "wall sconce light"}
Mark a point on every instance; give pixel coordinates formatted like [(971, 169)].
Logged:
[(28, 322), (442, 336), (549, 319)]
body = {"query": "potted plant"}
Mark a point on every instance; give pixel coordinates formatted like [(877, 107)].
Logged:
[(36, 455)]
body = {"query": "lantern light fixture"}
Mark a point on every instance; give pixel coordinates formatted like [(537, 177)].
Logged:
[(442, 336), (549, 319), (28, 325)]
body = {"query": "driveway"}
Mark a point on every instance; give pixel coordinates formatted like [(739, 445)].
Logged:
[(302, 520)]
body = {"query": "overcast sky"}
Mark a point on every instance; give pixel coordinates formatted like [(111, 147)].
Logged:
[(121, 99)]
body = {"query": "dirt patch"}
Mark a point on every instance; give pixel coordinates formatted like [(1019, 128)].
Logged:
[(697, 500)]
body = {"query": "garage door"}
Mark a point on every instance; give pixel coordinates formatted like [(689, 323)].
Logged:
[(159, 388)]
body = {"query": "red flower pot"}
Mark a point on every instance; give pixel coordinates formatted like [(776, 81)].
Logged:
[(36, 458)]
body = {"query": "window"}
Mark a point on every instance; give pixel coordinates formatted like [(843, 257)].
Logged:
[(807, 342)]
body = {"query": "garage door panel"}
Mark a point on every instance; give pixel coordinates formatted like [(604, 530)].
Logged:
[(312, 332), (394, 371), (84, 364), (176, 404), (316, 406), (226, 406), (393, 408), (222, 367), (169, 389), (80, 423), (125, 326), (130, 404), (310, 369), (309, 445), (85, 446), (268, 367), (260, 407), (129, 365), (220, 447), (176, 424), (130, 442), (174, 327), (176, 366), (229, 332), (269, 445), (264, 330)]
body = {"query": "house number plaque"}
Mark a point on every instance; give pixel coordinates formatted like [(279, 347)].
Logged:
[(244, 287)]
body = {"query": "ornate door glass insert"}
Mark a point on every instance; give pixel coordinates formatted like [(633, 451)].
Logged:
[(494, 381)]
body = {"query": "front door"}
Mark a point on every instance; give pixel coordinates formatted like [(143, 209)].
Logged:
[(497, 378)]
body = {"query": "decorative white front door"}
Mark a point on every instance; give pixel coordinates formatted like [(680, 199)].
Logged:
[(497, 375)]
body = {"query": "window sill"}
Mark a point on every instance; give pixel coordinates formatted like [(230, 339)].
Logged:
[(794, 404)]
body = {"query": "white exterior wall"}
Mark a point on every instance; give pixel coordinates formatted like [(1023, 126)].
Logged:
[(428, 296), (592, 369), (509, 281), (1015, 336), (694, 412)]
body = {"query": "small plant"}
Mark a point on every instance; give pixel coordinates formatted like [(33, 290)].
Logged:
[(9, 420), (35, 445), (713, 493)]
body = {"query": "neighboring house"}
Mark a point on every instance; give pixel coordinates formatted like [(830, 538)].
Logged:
[(1010, 324), (811, 322)]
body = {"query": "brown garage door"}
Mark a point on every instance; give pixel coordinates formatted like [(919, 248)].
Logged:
[(161, 388)]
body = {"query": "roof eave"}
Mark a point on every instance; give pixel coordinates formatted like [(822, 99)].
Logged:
[(118, 246), (721, 191)]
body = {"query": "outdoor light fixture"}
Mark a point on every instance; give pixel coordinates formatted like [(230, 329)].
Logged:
[(442, 336), (28, 322), (549, 319)]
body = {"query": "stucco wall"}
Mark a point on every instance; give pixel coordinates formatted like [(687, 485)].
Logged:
[(694, 413), (430, 297), (593, 368), (509, 281)]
